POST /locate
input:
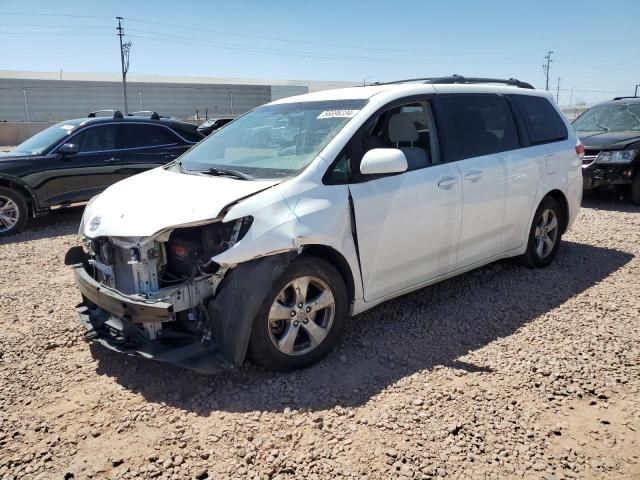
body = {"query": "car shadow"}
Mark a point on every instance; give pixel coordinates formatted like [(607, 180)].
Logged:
[(432, 327), (609, 200), (57, 223)]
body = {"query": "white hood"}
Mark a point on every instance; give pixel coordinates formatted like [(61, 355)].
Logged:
[(144, 204)]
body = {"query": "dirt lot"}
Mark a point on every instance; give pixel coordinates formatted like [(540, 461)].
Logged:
[(504, 372)]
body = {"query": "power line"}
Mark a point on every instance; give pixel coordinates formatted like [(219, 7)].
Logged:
[(53, 15), (307, 42), (294, 53)]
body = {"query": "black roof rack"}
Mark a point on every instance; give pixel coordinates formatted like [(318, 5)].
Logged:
[(514, 82), (623, 98), (145, 113), (115, 113)]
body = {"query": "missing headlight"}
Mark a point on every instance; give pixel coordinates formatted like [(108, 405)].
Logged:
[(189, 250)]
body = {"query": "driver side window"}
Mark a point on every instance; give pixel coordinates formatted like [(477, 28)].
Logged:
[(97, 139), (408, 127)]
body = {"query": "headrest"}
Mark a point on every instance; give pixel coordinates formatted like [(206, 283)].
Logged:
[(402, 129)]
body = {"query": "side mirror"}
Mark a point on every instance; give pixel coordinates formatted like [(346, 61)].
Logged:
[(68, 149), (381, 161)]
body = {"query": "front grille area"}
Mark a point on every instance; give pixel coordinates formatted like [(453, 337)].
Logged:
[(587, 160)]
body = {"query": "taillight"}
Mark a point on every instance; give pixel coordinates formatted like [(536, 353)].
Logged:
[(580, 150)]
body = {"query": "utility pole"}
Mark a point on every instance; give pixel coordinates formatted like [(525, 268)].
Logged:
[(545, 67), (26, 108), (558, 92), (124, 61), (571, 97)]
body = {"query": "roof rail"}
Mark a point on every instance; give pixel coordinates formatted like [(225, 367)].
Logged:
[(622, 98), (460, 79), (145, 113), (116, 113)]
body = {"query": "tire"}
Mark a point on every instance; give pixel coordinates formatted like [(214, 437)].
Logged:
[(286, 337), (544, 235), (14, 212), (635, 188)]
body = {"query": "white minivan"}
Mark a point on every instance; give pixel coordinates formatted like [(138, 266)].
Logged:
[(263, 238)]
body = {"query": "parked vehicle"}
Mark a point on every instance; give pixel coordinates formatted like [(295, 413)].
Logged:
[(610, 132), (212, 125), (70, 162), (268, 246)]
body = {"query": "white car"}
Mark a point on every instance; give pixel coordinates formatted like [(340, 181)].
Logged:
[(249, 244)]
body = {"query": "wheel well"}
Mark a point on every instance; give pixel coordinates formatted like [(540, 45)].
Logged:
[(559, 197), (22, 191), (336, 259)]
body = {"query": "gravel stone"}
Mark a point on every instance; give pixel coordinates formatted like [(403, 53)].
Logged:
[(503, 372)]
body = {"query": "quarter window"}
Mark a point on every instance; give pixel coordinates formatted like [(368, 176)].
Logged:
[(143, 135), (481, 124), (541, 120)]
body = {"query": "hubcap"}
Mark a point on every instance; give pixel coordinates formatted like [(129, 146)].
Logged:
[(546, 233), (9, 214), (301, 316)]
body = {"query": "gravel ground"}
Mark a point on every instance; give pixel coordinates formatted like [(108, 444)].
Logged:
[(504, 372)]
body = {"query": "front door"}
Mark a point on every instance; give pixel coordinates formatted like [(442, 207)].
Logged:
[(72, 178), (408, 224)]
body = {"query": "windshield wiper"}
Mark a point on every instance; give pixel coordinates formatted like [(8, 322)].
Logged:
[(601, 126), (224, 172), (633, 115)]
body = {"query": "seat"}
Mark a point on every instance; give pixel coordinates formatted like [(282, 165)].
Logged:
[(479, 140), (403, 130)]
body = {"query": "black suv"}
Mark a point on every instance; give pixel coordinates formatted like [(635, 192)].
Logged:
[(213, 124), (610, 133), (68, 163)]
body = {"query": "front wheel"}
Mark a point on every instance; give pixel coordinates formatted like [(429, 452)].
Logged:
[(13, 212), (544, 235), (301, 318)]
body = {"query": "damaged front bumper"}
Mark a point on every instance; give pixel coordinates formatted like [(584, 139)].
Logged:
[(118, 321), (109, 315)]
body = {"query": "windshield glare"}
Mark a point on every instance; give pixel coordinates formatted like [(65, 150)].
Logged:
[(610, 118), (273, 141), (45, 139)]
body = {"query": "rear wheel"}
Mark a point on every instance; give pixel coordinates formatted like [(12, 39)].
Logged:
[(544, 235), (13, 212), (301, 318)]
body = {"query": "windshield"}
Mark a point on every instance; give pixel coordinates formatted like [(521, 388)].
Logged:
[(273, 141), (45, 139), (617, 117)]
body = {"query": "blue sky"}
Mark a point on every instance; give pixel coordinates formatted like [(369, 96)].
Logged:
[(597, 52)]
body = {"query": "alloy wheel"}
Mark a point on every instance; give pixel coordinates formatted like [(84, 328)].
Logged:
[(546, 233), (9, 214), (301, 315)]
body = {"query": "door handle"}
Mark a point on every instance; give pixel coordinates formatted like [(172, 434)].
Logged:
[(112, 159), (446, 182), (474, 175)]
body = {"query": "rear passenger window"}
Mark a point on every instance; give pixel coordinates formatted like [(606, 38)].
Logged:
[(142, 135), (541, 120), (481, 124)]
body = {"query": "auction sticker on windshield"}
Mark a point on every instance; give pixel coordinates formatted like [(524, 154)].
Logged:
[(338, 114)]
